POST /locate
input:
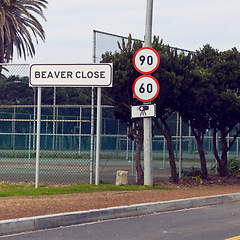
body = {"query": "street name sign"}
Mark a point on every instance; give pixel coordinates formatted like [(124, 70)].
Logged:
[(71, 75), (145, 88), (145, 110), (146, 60)]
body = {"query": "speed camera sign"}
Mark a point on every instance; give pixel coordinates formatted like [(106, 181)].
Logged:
[(146, 60), (145, 88)]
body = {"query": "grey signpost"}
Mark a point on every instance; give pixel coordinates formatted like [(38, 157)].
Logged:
[(146, 88), (147, 122)]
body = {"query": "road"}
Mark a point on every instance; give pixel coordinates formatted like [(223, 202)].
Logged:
[(208, 223)]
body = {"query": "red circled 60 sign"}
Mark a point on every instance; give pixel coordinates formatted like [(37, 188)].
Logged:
[(145, 88), (146, 60)]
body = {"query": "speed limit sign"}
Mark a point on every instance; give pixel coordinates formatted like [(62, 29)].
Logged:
[(145, 88), (146, 60)]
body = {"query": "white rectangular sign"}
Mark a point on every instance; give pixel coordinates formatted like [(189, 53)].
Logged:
[(71, 75), (143, 111)]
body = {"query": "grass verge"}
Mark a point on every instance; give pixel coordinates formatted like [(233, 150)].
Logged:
[(7, 189)]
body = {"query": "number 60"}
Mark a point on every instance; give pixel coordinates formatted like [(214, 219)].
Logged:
[(149, 88)]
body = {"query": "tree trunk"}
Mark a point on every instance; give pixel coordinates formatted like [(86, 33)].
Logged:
[(199, 136), (140, 173), (204, 173), (226, 147), (172, 162), (1, 57), (168, 137), (224, 172), (215, 151)]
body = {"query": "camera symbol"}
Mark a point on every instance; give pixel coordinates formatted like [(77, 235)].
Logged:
[(143, 110)]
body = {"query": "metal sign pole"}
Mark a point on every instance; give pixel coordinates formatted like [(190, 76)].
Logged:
[(98, 140), (38, 136), (147, 122)]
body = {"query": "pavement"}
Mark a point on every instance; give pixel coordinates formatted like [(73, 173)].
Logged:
[(19, 225)]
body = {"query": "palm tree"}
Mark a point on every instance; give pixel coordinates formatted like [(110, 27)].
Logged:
[(17, 22)]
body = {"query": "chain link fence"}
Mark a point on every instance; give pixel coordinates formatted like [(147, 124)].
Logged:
[(65, 136), (65, 141), (66, 156)]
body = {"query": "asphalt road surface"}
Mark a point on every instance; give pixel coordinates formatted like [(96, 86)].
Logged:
[(217, 222)]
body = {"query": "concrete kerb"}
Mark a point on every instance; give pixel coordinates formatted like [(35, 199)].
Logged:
[(72, 218)]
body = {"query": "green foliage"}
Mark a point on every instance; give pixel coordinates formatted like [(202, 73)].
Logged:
[(233, 166), (213, 168), (209, 98), (18, 22), (198, 179), (192, 172), (15, 90), (120, 95)]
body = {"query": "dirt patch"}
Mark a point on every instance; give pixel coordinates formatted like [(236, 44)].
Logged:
[(213, 180), (18, 207)]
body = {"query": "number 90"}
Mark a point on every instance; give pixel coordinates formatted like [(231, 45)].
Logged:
[(142, 59)]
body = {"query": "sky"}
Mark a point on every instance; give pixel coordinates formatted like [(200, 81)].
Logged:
[(187, 24)]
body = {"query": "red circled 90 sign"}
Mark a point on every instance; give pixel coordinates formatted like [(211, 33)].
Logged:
[(146, 60)]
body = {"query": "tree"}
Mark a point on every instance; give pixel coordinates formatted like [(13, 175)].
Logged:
[(227, 106), (17, 22), (210, 100), (169, 74), (227, 115), (15, 90), (198, 95)]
